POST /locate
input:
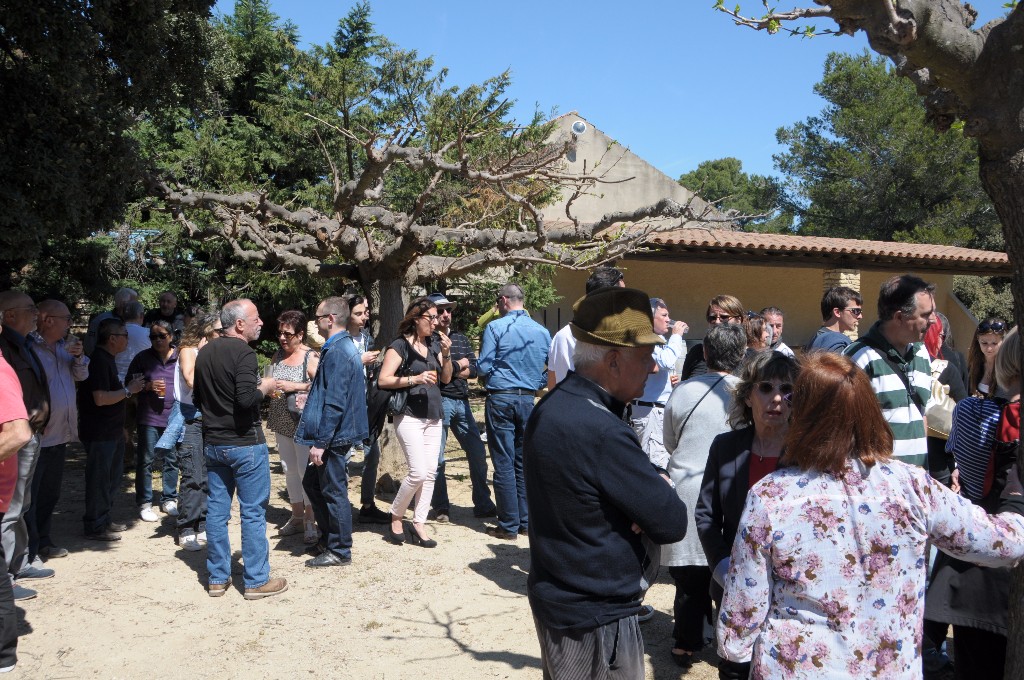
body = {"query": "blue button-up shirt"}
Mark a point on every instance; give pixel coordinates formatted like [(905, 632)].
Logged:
[(514, 353), (62, 372)]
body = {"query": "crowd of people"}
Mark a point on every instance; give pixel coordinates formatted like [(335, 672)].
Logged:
[(812, 507)]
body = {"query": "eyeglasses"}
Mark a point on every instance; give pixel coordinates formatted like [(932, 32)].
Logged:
[(991, 327), (430, 317), (785, 389), (856, 311), (714, 318), (158, 336), (323, 316), (286, 334)]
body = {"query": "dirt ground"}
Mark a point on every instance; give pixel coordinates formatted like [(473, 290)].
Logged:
[(138, 608)]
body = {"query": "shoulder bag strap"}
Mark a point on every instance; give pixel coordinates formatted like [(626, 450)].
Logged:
[(687, 419), (898, 370)]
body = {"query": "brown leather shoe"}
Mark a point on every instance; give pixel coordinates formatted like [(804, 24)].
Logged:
[(498, 532), (274, 586), (217, 589)]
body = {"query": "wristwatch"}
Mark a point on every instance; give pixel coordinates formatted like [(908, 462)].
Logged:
[(127, 393)]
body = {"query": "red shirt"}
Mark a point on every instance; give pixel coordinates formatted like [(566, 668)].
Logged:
[(12, 407), (761, 467)]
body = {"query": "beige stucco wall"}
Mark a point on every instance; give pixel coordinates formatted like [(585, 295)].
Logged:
[(687, 287)]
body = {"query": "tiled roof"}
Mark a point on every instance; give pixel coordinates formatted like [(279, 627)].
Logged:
[(788, 249)]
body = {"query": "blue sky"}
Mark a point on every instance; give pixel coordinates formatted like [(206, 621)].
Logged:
[(676, 82)]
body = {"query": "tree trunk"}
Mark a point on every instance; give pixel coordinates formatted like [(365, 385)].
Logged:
[(1004, 182), (387, 301)]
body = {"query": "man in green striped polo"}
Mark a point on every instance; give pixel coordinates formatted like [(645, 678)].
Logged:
[(894, 357)]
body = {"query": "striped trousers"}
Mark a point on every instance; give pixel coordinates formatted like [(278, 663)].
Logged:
[(614, 651)]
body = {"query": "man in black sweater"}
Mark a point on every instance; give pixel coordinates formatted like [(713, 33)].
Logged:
[(228, 392), (599, 508)]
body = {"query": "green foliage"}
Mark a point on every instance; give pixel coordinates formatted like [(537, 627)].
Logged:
[(73, 78), (869, 166), (723, 182), (477, 294), (985, 296)]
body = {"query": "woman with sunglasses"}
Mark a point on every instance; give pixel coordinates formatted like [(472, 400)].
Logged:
[(157, 365), (759, 416), (723, 309), (982, 354), (417, 362), (293, 366), (826, 574)]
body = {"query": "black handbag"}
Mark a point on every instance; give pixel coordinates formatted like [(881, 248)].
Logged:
[(381, 403)]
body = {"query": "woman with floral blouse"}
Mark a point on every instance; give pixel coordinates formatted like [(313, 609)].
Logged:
[(827, 574)]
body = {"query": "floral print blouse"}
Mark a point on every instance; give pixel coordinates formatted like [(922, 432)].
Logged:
[(827, 575)]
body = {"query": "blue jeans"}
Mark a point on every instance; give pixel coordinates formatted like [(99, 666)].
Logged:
[(104, 465), (246, 468), (145, 451), (46, 483), (327, 488), (505, 417), (458, 417)]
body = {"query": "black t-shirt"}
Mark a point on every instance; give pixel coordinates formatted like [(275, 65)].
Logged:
[(424, 400), (225, 392), (100, 423)]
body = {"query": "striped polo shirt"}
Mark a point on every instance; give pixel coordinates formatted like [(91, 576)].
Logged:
[(899, 410)]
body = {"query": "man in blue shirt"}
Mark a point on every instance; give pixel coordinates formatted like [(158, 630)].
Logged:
[(513, 363), (332, 422)]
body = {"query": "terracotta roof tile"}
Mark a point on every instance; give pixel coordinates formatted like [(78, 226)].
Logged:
[(699, 239)]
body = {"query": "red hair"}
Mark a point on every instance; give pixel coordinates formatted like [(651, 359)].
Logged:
[(835, 417)]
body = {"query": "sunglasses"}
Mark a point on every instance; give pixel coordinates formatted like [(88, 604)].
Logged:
[(158, 336), (991, 327), (323, 316), (712, 318), (766, 388), (286, 334), (856, 311)]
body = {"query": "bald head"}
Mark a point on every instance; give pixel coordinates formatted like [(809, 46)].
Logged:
[(18, 312), (54, 320)]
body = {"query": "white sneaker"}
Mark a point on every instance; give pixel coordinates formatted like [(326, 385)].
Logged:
[(188, 541), (201, 534), (146, 514), (170, 508)]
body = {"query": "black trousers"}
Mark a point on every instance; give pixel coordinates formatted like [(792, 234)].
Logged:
[(978, 653), (692, 606)]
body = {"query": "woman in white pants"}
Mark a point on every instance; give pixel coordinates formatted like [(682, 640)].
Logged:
[(293, 366), (415, 362)]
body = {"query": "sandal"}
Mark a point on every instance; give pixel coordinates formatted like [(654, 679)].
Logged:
[(291, 527), (311, 535)]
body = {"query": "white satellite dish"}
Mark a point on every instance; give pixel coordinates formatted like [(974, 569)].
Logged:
[(579, 127)]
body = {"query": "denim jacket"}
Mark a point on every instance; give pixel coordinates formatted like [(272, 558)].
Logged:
[(335, 412)]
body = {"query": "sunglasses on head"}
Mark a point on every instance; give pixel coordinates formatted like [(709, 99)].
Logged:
[(785, 389), (991, 327)]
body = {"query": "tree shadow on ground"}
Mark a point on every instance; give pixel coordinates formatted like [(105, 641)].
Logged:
[(508, 568), (449, 622)]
